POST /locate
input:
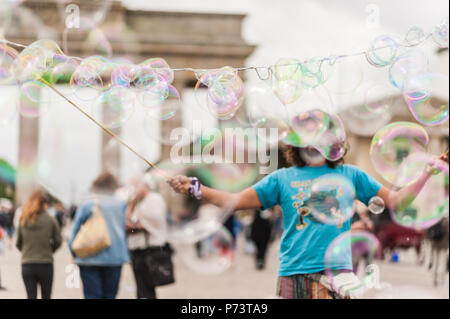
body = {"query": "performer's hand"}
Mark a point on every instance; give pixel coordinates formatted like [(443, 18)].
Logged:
[(180, 184), (431, 169)]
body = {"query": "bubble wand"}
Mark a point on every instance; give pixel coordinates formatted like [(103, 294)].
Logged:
[(108, 131)]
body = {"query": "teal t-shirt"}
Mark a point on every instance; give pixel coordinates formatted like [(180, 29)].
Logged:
[(303, 251)]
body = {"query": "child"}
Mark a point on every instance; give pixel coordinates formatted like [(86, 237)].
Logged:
[(302, 249)]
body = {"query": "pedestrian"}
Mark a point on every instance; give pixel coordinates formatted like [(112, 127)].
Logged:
[(261, 231), (305, 240), (9, 224), (38, 237), (100, 273), (147, 241), (2, 250)]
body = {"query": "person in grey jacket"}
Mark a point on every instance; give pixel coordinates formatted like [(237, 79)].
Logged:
[(38, 237)]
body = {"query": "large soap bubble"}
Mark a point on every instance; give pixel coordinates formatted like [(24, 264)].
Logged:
[(393, 143), (427, 97), (421, 207)]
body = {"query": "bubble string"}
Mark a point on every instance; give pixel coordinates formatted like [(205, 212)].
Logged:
[(331, 59), (108, 131)]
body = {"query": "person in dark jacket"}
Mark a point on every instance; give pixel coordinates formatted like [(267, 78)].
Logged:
[(260, 234), (38, 237)]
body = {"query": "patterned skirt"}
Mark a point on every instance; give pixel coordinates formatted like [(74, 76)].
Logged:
[(304, 286)]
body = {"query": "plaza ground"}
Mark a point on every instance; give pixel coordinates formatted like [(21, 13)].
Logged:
[(241, 281)]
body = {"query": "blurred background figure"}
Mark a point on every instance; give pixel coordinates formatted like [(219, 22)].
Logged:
[(261, 231), (7, 219), (2, 250), (438, 236), (147, 239), (100, 273), (38, 237)]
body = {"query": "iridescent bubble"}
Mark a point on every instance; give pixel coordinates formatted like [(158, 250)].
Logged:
[(124, 75), (225, 92), (393, 143), (440, 34), (160, 67), (345, 249), (36, 60), (331, 199), (405, 66), (86, 81), (307, 128), (98, 40), (423, 206), (162, 101), (312, 73), (114, 106), (7, 57), (332, 143), (212, 255), (376, 205), (415, 36), (35, 99), (287, 84), (427, 97), (266, 113), (382, 51), (63, 69)]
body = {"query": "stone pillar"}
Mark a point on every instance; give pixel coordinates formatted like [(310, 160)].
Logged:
[(28, 154)]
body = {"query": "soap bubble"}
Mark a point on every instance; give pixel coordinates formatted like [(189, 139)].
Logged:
[(382, 51), (376, 205), (427, 97), (114, 106), (86, 81), (7, 57), (162, 101), (212, 255), (331, 199), (313, 74), (415, 36), (440, 34), (405, 66), (332, 143), (347, 248), (287, 84), (36, 98), (421, 207), (265, 113), (393, 143), (225, 92), (307, 128)]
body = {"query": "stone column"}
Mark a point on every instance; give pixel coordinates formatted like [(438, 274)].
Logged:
[(28, 154)]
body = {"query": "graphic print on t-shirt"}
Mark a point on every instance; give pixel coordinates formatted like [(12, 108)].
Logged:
[(302, 197)]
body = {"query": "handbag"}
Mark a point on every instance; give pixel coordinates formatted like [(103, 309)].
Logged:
[(159, 263), (93, 236)]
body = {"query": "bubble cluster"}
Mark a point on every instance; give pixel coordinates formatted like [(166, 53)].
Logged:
[(332, 143), (331, 199), (423, 206), (427, 97), (382, 51), (393, 143), (225, 92)]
